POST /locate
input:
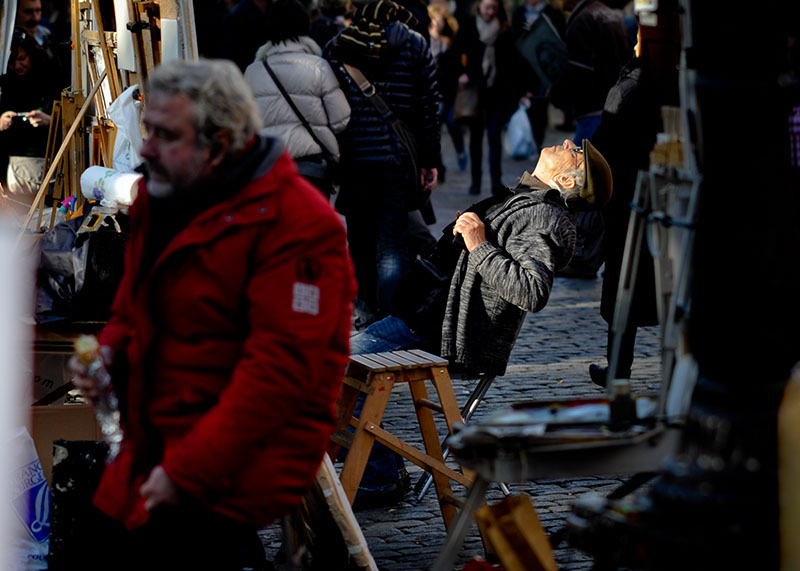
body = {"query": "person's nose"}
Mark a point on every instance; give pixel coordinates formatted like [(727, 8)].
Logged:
[(149, 150), (568, 144)]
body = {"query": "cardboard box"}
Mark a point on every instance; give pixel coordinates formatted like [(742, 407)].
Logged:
[(64, 421), (49, 375)]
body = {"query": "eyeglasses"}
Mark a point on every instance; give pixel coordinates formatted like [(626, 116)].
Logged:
[(577, 150)]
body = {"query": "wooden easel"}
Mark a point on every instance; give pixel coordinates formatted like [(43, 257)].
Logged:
[(71, 158)]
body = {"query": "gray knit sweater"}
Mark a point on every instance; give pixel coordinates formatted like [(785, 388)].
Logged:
[(528, 239)]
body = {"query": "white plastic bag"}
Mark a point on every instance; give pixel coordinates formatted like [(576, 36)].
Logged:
[(125, 112), (30, 502), (519, 143)]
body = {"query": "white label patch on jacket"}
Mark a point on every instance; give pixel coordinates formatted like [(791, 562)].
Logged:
[(305, 298)]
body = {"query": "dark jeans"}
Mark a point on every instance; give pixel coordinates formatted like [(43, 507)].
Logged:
[(377, 221), (456, 134), (537, 114), (491, 121)]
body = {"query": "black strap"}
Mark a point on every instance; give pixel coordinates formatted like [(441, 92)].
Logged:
[(328, 155), (372, 96)]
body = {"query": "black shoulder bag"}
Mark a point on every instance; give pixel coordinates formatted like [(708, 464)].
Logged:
[(418, 198), (324, 166)]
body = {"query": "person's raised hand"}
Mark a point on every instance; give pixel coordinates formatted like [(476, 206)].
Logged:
[(38, 118), (471, 229), (6, 119)]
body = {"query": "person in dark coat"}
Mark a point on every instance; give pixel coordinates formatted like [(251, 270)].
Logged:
[(535, 91), (627, 132), (443, 30), (27, 92), (243, 31), (484, 48), (598, 46), (378, 186)]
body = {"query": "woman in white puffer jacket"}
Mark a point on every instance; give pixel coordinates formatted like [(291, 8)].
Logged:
[(309, 80)]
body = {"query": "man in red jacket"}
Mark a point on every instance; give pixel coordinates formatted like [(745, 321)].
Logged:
[(229, 332)]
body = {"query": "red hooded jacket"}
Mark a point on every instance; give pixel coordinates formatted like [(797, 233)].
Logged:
[(234, 342)]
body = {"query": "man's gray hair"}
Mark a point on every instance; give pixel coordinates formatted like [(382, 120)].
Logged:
[(579, 176), (222, 99)]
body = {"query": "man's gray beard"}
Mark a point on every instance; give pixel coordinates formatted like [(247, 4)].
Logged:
[(160, 189)]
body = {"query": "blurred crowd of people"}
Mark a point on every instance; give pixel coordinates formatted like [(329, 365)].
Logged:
[(470, 70)]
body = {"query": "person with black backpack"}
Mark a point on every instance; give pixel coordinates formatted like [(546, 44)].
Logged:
[(390, 148)]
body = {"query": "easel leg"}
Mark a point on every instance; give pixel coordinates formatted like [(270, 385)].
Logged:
[(461, 525)]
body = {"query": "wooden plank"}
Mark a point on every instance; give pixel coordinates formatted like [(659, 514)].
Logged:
[(343, 515), (388, 364), (411, 357), (447, 397), (77, 76), (355, 383), (367, 362), (433, 359), (415, 455), (136, 41), (345, 405), (92, 37), (342, 439), (169, 9), (108, 56), (399, 359), (433, 446)]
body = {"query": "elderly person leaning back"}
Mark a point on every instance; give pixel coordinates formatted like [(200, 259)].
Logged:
[(468, 299)]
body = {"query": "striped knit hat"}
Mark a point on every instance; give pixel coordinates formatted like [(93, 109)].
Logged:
[(366, 36)]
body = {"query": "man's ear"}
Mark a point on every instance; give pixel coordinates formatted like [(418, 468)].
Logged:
[(219, 149), (565, 180)]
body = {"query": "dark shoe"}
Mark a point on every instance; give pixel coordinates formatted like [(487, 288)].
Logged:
[(474, 189), (598, 374), (386, 496)]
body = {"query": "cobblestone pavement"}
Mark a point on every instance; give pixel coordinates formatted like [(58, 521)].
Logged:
[(550, 361)]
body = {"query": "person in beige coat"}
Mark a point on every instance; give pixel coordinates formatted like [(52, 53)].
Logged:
[(295, 60)]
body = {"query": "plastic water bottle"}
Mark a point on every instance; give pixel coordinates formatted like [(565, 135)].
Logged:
[(106, 408)]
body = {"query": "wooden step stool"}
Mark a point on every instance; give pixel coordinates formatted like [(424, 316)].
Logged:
[(375, 374)]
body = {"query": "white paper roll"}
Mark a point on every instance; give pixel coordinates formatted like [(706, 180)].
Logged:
[(112, 188)]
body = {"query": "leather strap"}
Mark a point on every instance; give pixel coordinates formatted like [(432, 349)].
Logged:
[(328, 155)]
